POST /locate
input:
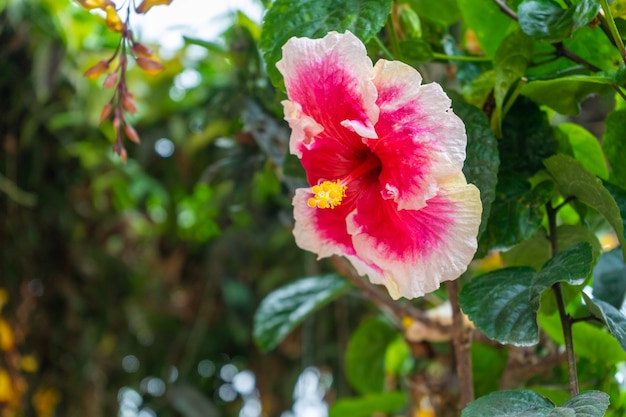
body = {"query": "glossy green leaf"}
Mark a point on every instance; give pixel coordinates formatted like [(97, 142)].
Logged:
[(384, 402), (314, 19), (573, 179), (571, 266), (516, 213), (523, 403), (547, 20), (585, 148), (512, 58), (365, 356), (609, 278), (615, 146), (487, 21), (482, 159), (511, 403), (527, 139), (588, 404), (535, 252), (619, 195), (590, 341), (510, 317), (285, 308), (571, 91), (615, 319), (445, 11)]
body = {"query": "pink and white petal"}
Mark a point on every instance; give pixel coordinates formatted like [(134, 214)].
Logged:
[(303, 128), (321, 231), (420, 139), (416, 250), (331, 80)]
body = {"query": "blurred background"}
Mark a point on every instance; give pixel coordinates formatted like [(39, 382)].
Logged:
[(129, 289)]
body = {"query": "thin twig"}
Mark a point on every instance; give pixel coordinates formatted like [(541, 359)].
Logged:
[(505, 9), (566, 319), (462, 344), (381, 298)]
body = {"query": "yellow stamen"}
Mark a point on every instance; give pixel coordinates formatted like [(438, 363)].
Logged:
[(327, 194)]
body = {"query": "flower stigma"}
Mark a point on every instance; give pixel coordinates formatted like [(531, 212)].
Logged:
[(328, 194)]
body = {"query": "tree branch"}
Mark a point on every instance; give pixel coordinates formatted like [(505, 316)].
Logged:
[(462, 344)]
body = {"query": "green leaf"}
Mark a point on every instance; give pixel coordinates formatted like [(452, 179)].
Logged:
[(609, 278), (285, 308), (588, 404), (619, 195), (516, 213), (523, 403), (509, 318), (487, 21), (527, 139), (445, 11), (590, 341), (572, 266), (585, 148), (573, 179), (511, 403), (515, 295), (535, 252), (614, 145), (482, 160), (512, 58), (488, 364), (572, 90), (365, 356), (385, 403), (398, 358), (314, 19), (614, 319), (547, 20)]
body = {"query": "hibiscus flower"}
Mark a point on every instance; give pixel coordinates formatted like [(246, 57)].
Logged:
[(383, 155)]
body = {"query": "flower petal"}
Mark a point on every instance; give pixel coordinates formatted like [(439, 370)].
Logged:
[(322, 231), (421, 139), (329, 81), (416, 250)]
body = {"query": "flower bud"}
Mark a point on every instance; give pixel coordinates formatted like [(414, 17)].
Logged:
[(150, 66), (110, 80), (113, 20), (131, 133), (148, 4), (410, 23), (97, 70), (106, 112), (141, 50), (129, 104)]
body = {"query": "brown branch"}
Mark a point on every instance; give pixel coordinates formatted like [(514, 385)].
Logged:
[(505, 9), (462, 344), (382, 299)]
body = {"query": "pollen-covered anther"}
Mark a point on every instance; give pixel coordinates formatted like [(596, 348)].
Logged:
[(328, 194)]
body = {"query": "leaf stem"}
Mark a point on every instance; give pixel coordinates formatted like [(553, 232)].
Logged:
[(462, 344), (566, 319), (505, 9), (383, 48), (466, 58), (613, 29)]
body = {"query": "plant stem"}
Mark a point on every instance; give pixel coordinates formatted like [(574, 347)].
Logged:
[(613, 29), (462, 343), (505, 9), (466, 58), (566, 319)]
